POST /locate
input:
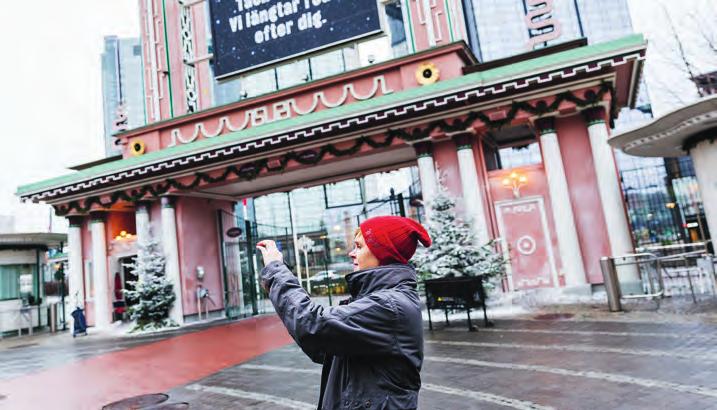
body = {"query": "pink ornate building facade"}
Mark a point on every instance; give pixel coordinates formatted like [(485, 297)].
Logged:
[(436, 106)]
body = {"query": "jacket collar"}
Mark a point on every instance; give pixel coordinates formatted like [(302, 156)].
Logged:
[(365, 281)]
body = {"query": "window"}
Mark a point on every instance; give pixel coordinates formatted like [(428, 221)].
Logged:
[(289, 75), (259, 83), (396, 29), (328, 64), (10, 280), (514, 156), (519, 156)]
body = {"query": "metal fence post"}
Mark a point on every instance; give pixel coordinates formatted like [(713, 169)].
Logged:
[(612, 285)]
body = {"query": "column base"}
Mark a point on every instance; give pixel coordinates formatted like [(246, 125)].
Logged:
[(631, 288), (177, 317), (578, 290)]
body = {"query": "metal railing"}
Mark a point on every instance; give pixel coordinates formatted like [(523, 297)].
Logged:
[(663, 273)]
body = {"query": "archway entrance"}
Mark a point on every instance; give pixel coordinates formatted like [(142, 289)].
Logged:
[(313, 227)]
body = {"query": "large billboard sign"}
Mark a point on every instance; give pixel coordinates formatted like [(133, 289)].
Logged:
[(252, 33)]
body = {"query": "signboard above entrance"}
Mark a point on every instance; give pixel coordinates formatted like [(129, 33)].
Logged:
[(252, 33)]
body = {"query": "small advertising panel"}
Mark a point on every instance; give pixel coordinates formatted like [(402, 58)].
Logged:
[(252, 33)]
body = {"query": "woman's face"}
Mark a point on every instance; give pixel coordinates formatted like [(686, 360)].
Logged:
[(361, 255)]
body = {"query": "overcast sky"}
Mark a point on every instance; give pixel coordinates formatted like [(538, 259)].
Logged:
[(50, 90), (50, 83)]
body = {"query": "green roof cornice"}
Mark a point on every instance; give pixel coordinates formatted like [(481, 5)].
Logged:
[(493, 75)]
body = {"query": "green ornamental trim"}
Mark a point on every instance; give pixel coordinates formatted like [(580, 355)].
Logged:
[(629, 45), (541, 108), (245, 172), (251, 170)]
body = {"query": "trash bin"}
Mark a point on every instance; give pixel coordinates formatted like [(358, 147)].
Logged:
[(79, 325)]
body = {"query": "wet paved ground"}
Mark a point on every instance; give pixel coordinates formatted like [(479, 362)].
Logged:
[(517, 364), (520, 364)]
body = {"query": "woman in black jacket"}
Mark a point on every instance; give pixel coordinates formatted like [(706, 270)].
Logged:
[(371, 347)]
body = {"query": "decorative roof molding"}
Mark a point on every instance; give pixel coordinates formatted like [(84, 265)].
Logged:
[(369, 114), (280, 110)]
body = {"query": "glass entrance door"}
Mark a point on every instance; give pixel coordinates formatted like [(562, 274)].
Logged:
[(314, 229)]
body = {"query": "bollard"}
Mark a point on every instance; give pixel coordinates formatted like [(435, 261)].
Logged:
[(612, 285), (52, 317)]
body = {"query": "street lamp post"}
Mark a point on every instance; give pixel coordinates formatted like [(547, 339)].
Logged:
[(305, 244)]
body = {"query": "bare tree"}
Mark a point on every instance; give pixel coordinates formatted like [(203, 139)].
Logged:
[(690, 49)]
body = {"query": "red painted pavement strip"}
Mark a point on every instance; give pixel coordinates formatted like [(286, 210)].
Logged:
[(152, 368)]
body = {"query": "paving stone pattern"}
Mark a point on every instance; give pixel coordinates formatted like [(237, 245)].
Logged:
[(519, 364)]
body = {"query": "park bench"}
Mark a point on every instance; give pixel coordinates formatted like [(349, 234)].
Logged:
[(456, 293)]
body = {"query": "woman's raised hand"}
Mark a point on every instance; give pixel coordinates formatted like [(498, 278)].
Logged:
[(269, 251)]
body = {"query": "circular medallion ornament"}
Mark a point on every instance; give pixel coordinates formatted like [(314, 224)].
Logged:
[(427, 73), (137, 147), (526, 245)]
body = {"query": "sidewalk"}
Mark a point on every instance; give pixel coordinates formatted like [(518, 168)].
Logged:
[(644, 355), (149, 368)]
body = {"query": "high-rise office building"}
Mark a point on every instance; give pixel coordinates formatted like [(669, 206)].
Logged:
[(122, 88), (501, 28)]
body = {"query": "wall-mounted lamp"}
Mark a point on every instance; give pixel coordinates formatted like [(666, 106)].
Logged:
[(124, 236), (200, 272), (514, 182)]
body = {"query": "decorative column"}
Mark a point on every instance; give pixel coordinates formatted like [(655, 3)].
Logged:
[(472, 192), (426, 171), (99, 270), (171, 255), (561, 206), (613, 206), (141, 215), (704, 157), (74, 262)]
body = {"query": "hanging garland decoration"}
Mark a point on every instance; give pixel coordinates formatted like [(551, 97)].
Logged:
[(251, 170), (245, 172), (540, 108)]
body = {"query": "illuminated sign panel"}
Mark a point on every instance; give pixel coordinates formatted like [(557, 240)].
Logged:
[(252, 33)]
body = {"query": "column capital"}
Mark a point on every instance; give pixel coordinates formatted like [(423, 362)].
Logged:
[(75, 221), (98, 216), (594, 115), (545, 125), (423, 149), (168, 201), (142, 206), (463, 140)]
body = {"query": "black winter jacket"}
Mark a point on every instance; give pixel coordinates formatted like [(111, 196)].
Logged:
[(371, 347)]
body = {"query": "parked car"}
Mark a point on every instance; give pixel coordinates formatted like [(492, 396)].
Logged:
[(323, 275)]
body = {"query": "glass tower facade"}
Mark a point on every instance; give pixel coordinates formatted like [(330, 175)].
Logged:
[(122, 87)]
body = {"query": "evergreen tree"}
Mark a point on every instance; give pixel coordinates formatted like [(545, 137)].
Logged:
[(152, 294), (455, 251)]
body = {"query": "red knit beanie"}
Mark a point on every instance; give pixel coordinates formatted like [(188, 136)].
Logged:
[(393, 239)]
